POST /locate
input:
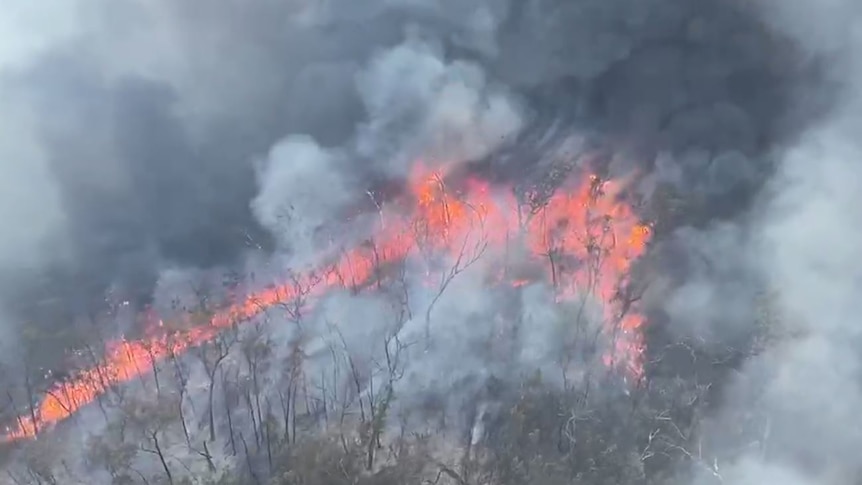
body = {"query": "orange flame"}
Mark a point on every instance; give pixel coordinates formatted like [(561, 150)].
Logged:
[(585, 236)]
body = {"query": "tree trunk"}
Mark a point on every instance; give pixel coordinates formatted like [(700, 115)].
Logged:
[(162, 458), (212, 411)]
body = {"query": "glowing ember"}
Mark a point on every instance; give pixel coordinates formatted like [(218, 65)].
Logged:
[(584, 236)]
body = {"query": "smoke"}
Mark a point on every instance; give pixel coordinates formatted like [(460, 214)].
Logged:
[(799, 243), (30, 205), (144, 119), (301, 188), (805, 385), (713, 266), (811, 390), (420, 107), (147, 136)]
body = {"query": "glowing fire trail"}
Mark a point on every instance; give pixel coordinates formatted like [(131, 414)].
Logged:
[(587, 224)]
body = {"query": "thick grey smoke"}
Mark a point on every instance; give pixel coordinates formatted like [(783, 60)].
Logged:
[(801, 241), (806, 384), (421, 108), (138, 124), (301, 188), (155, 135)]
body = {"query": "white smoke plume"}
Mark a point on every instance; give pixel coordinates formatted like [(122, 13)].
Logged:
[(302, 187), (421, 107)]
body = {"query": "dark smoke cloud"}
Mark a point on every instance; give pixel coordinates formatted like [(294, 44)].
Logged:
[(139, 120), (152, 135), (789, 416)]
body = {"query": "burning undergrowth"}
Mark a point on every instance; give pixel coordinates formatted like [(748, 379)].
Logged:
[(456, 293), (402, 223), (576, 246)]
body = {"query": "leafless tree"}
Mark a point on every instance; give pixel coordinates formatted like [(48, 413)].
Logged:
[(211, 355), (152, 418), (180, 379), (111, 451), (381, 400), (256, 348), (230, 400), (470, 250), (39, 460)]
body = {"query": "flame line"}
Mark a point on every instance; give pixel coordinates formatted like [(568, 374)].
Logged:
[(564, 225)]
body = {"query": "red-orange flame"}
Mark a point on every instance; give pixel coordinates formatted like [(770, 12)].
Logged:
[(585, 223)]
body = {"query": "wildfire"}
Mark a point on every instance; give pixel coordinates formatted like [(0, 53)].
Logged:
[(584, 236)]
